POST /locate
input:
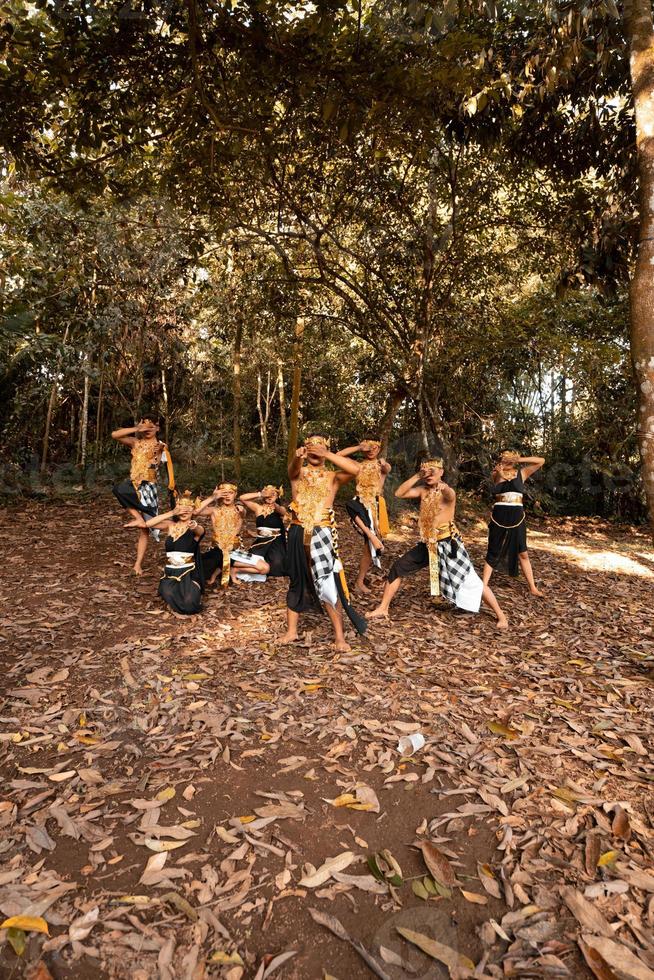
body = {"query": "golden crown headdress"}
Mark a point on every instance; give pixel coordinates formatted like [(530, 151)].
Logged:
[(187, 500), (228, 486), (370, 444), (318, 441), (278, 490), (432, 464)]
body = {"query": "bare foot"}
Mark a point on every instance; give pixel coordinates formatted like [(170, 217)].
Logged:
[(137, 570), (502, 623), (233, 578), (361, 587), (536, 591), (341, 646), (288, 638), (212, 580), (378, 613)]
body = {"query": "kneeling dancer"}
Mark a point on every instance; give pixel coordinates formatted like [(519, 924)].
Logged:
[(314, 568), (226, 522), (367, 510), (267, 556), (182, 582), (441, 548)]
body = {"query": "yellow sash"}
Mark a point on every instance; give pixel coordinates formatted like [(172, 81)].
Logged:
[(384, 526)]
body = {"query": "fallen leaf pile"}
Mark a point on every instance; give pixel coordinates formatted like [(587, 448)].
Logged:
[(187, 799)]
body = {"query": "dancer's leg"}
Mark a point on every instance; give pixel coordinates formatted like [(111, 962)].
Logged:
[(141, 548), (364, 565), (335, 613), (292, 622), (528, 572), (390, 591), (486, 574), (490, 600)]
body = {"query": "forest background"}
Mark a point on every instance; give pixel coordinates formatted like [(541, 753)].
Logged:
[(256, 219)]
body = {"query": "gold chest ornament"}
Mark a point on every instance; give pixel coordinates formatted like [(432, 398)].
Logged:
[(226, 524), (179, 529), (369, 482), (145, 459), (430, 506), (314, 485)]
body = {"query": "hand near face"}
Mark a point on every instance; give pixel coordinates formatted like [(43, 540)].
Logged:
[(318, 450), (300, 453)]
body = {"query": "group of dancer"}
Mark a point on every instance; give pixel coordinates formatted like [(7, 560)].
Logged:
[(300, 541)]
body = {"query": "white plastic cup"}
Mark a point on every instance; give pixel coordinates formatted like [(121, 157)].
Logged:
[(409, 744)]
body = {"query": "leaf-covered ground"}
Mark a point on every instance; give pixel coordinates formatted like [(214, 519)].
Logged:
[(185, 799)]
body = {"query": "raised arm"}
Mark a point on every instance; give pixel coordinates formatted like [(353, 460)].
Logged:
[(126, 436), (448, 494), (350, 451), (348, 466), (408, 489), (295, 465), (207, 502), (161, 518), (533, 463), (251, 501)]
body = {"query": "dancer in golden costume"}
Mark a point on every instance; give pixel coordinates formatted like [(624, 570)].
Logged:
[(139, 494), (226, 523), (441, 548), (367, 509), (317, 579)]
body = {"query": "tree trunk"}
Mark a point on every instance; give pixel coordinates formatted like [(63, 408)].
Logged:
[(263, 418), (297, 378), (639, 32), (236, 369), (164, 389), (393, 402), (282, 399), (51, 404), (85, 413), (98, 417)]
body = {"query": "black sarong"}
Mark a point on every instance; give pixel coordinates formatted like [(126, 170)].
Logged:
[(302, 596), (505, 539)]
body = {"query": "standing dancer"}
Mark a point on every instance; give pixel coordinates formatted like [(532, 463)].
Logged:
[(227, 521), (314, 568), (182, 582), (267, 556), (139, 494), (451, 573), (367, 509), (507, 528)]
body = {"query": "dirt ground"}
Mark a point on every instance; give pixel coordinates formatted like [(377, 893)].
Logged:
[(523, 829)]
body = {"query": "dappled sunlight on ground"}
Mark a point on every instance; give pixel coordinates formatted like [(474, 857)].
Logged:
[(597, 561)]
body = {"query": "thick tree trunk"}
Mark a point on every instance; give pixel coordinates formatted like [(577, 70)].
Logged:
[(639, 31), (393, 402), (297, 378), (282, 399), (236, 370)]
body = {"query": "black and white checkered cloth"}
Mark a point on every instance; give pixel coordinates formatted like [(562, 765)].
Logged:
[(322, 554), (149, 497), (453, 569)]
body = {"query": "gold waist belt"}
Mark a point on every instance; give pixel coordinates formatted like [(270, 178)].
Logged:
[(325, 521), (508, 498), (178, 559)]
